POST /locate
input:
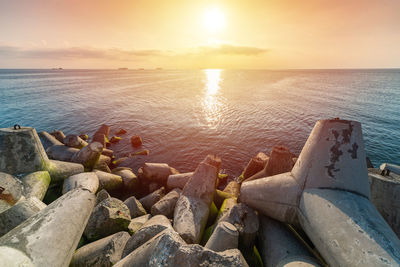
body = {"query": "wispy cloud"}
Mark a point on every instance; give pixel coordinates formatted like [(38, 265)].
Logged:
[(124, 55)]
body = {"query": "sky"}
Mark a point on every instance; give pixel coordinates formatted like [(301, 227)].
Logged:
[(191, 34)]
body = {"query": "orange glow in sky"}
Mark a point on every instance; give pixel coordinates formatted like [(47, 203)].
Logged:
[(239, 34)]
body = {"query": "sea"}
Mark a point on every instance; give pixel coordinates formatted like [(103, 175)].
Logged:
[(183, 115)]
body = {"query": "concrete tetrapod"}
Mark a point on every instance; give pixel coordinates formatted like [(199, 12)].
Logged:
[(11, 190), (225, 236), (48, 140), (135, 207), (108, 181), (347, 229), (255, 165), (193, 206), (280, 161), (104, 252), (21, 152), (279, 247), (86, 180), (333, 157), (108, 217), (39, 237), (385, 195), (152, 198), (158, 172), (178, 180), (89, 155), (61, 152), (166, 205), (36, 184), (150, 228), (60, 170), (18, 213), (167, 249)]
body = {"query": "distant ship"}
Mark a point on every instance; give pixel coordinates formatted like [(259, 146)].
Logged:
[(159, 68), (122, 68), (57, 68)]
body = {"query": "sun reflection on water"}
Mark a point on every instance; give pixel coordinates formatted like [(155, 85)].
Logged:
[(212, 102)]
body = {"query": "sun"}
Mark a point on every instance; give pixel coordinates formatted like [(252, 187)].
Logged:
[(214, 20)]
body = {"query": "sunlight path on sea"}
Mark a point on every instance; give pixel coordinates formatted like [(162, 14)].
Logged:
[(212, 104)]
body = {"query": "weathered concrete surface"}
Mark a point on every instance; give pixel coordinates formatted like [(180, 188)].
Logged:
[(11, 257), (255, 165), (18, 213), (387, 167), (166, 205), (59, 135), (276, 196), (190, 218), (152, 198), (104, 252), (36, 184), (245, 219), (158, 172), (280, 161), (61, 152), (101, 195), (137, 222), (108, 217), (135, 207), (129, 179), (48, 140), (86, 180), (11, 190), (178, 180), (279, 247), (60, 170), (40, 238), (202, 184), (225, 236), (108, 181), (347, 229), (193, 206), (333, 157), (21, 151), (385, 195), (149, 229), (169, 250), (74, 141), (88, 155)]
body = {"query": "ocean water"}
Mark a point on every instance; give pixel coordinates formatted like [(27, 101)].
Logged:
[(183, 115)]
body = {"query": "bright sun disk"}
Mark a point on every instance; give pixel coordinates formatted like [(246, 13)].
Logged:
[(214, 20)]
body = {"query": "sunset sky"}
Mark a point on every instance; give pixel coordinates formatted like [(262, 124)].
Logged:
[(233, 34)]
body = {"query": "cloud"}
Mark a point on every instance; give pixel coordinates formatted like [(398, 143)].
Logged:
[(232, 50), (125, 55)]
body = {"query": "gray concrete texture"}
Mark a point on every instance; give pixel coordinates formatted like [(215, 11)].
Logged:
[(50, 237), (279, 247), (225, 236), (104, 252), (333, 157), (347, 229), (385, 195), (21, 151), (167, 249)]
